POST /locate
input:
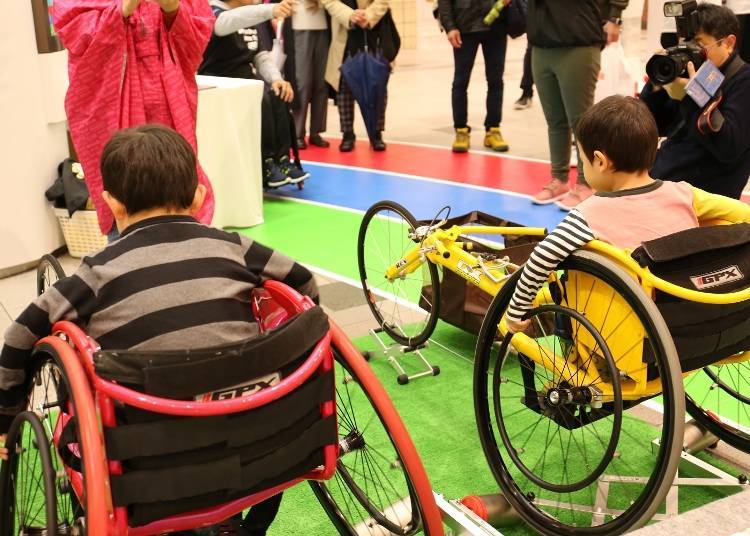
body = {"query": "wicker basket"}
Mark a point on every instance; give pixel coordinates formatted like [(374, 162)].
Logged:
[(81, 231)]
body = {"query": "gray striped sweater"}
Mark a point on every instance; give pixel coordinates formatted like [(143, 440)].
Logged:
[(168, 283)]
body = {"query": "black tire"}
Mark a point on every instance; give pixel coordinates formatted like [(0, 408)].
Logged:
[(548, 506), (25, 514), (714, 398), (351, 502), (48, 272), (381, 251)]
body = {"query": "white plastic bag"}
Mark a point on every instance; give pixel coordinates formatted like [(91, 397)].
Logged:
[(277, 52), (615, 77)]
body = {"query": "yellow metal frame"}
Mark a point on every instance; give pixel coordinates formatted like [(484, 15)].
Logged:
[(451, 248)]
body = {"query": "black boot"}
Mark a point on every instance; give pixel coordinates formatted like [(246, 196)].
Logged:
[(347, 142), (378, 144)]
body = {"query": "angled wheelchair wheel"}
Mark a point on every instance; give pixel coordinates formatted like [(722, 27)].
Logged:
[(380, 486), (563, 409), (406, 308), (718, 399), (50, 401), (27, 481), (48, 272)]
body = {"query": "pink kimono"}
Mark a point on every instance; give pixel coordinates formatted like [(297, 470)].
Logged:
[(126, 72)]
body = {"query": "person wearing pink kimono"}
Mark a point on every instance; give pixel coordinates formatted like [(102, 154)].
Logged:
[(131, 62)]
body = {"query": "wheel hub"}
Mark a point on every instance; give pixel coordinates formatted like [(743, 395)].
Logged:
[(354, 440), (558, 397)]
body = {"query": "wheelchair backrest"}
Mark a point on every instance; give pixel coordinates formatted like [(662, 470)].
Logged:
[(709, 259), (173, 465)]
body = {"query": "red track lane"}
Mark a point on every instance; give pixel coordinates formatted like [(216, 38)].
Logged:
[(509, 174), (491, 171)]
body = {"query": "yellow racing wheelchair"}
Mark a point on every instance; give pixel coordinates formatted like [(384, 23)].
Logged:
[(581, 416)]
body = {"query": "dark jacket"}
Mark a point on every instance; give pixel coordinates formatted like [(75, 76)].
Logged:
[(716, 162), (232, 55), (467, 16), (570, 23)]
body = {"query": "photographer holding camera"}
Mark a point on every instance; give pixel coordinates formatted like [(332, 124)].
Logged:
[(708, 144)]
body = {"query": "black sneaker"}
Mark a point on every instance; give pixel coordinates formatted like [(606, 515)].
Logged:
[(347, 142), (523, 103), (273, 177), (292, 172)]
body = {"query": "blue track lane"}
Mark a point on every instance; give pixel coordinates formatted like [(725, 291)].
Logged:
[(358, 189)]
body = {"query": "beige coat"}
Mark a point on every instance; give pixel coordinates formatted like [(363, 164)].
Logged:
[(340, 24)]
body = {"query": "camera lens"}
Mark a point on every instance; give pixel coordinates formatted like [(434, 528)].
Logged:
[(664, 69), (661, 69)]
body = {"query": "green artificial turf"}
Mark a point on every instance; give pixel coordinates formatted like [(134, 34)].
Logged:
[(439, 413)]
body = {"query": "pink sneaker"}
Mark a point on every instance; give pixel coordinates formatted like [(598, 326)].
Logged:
[(552, 191), (579, 193)]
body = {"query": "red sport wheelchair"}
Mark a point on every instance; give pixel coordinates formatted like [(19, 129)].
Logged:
[(136, 443)]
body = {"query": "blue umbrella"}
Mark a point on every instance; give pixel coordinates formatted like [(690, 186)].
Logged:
[(367, 76)]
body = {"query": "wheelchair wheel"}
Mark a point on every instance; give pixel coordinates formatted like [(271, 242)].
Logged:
[(572, 451), (380, 486), (27, 481), (48, 272), (49, 399), (717, 398), (408, 313)]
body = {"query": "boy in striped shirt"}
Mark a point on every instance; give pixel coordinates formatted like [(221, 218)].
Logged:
[(617, 142), (168, 282)]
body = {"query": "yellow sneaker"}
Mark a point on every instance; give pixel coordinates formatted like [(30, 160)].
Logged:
[(462, 141), (494, 140)]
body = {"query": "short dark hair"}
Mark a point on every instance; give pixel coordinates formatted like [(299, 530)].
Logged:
[(623, 129), (717, 21), (149, 166)]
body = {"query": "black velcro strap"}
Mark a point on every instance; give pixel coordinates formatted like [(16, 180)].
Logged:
[(170, 436), (188, 373), (700, 240), (324, 432), (177, 482), (247, 428)]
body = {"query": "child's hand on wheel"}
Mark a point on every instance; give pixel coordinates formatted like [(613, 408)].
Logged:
[(517, 326)]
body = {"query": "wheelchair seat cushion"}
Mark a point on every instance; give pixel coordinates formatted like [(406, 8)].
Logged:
[(709, 259), (188, 373)]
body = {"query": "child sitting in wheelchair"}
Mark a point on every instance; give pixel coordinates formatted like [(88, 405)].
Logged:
[(617, 141), (168, 282)]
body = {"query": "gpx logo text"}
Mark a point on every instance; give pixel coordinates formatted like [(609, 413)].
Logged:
[(719, 277)]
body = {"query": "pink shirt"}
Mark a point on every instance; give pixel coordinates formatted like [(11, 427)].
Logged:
[(642, 214)]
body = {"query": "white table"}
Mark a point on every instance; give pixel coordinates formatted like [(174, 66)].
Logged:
[(228, 132)]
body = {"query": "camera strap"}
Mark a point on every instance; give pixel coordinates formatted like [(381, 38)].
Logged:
[(711, 119)]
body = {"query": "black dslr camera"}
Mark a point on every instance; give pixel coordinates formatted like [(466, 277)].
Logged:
[(663, 69)]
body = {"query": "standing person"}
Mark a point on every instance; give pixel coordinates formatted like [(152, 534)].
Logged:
[(240, 48), (311, 42), (131, 62), (527, 82), (464, 25), (351, 21), (567, 40)]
